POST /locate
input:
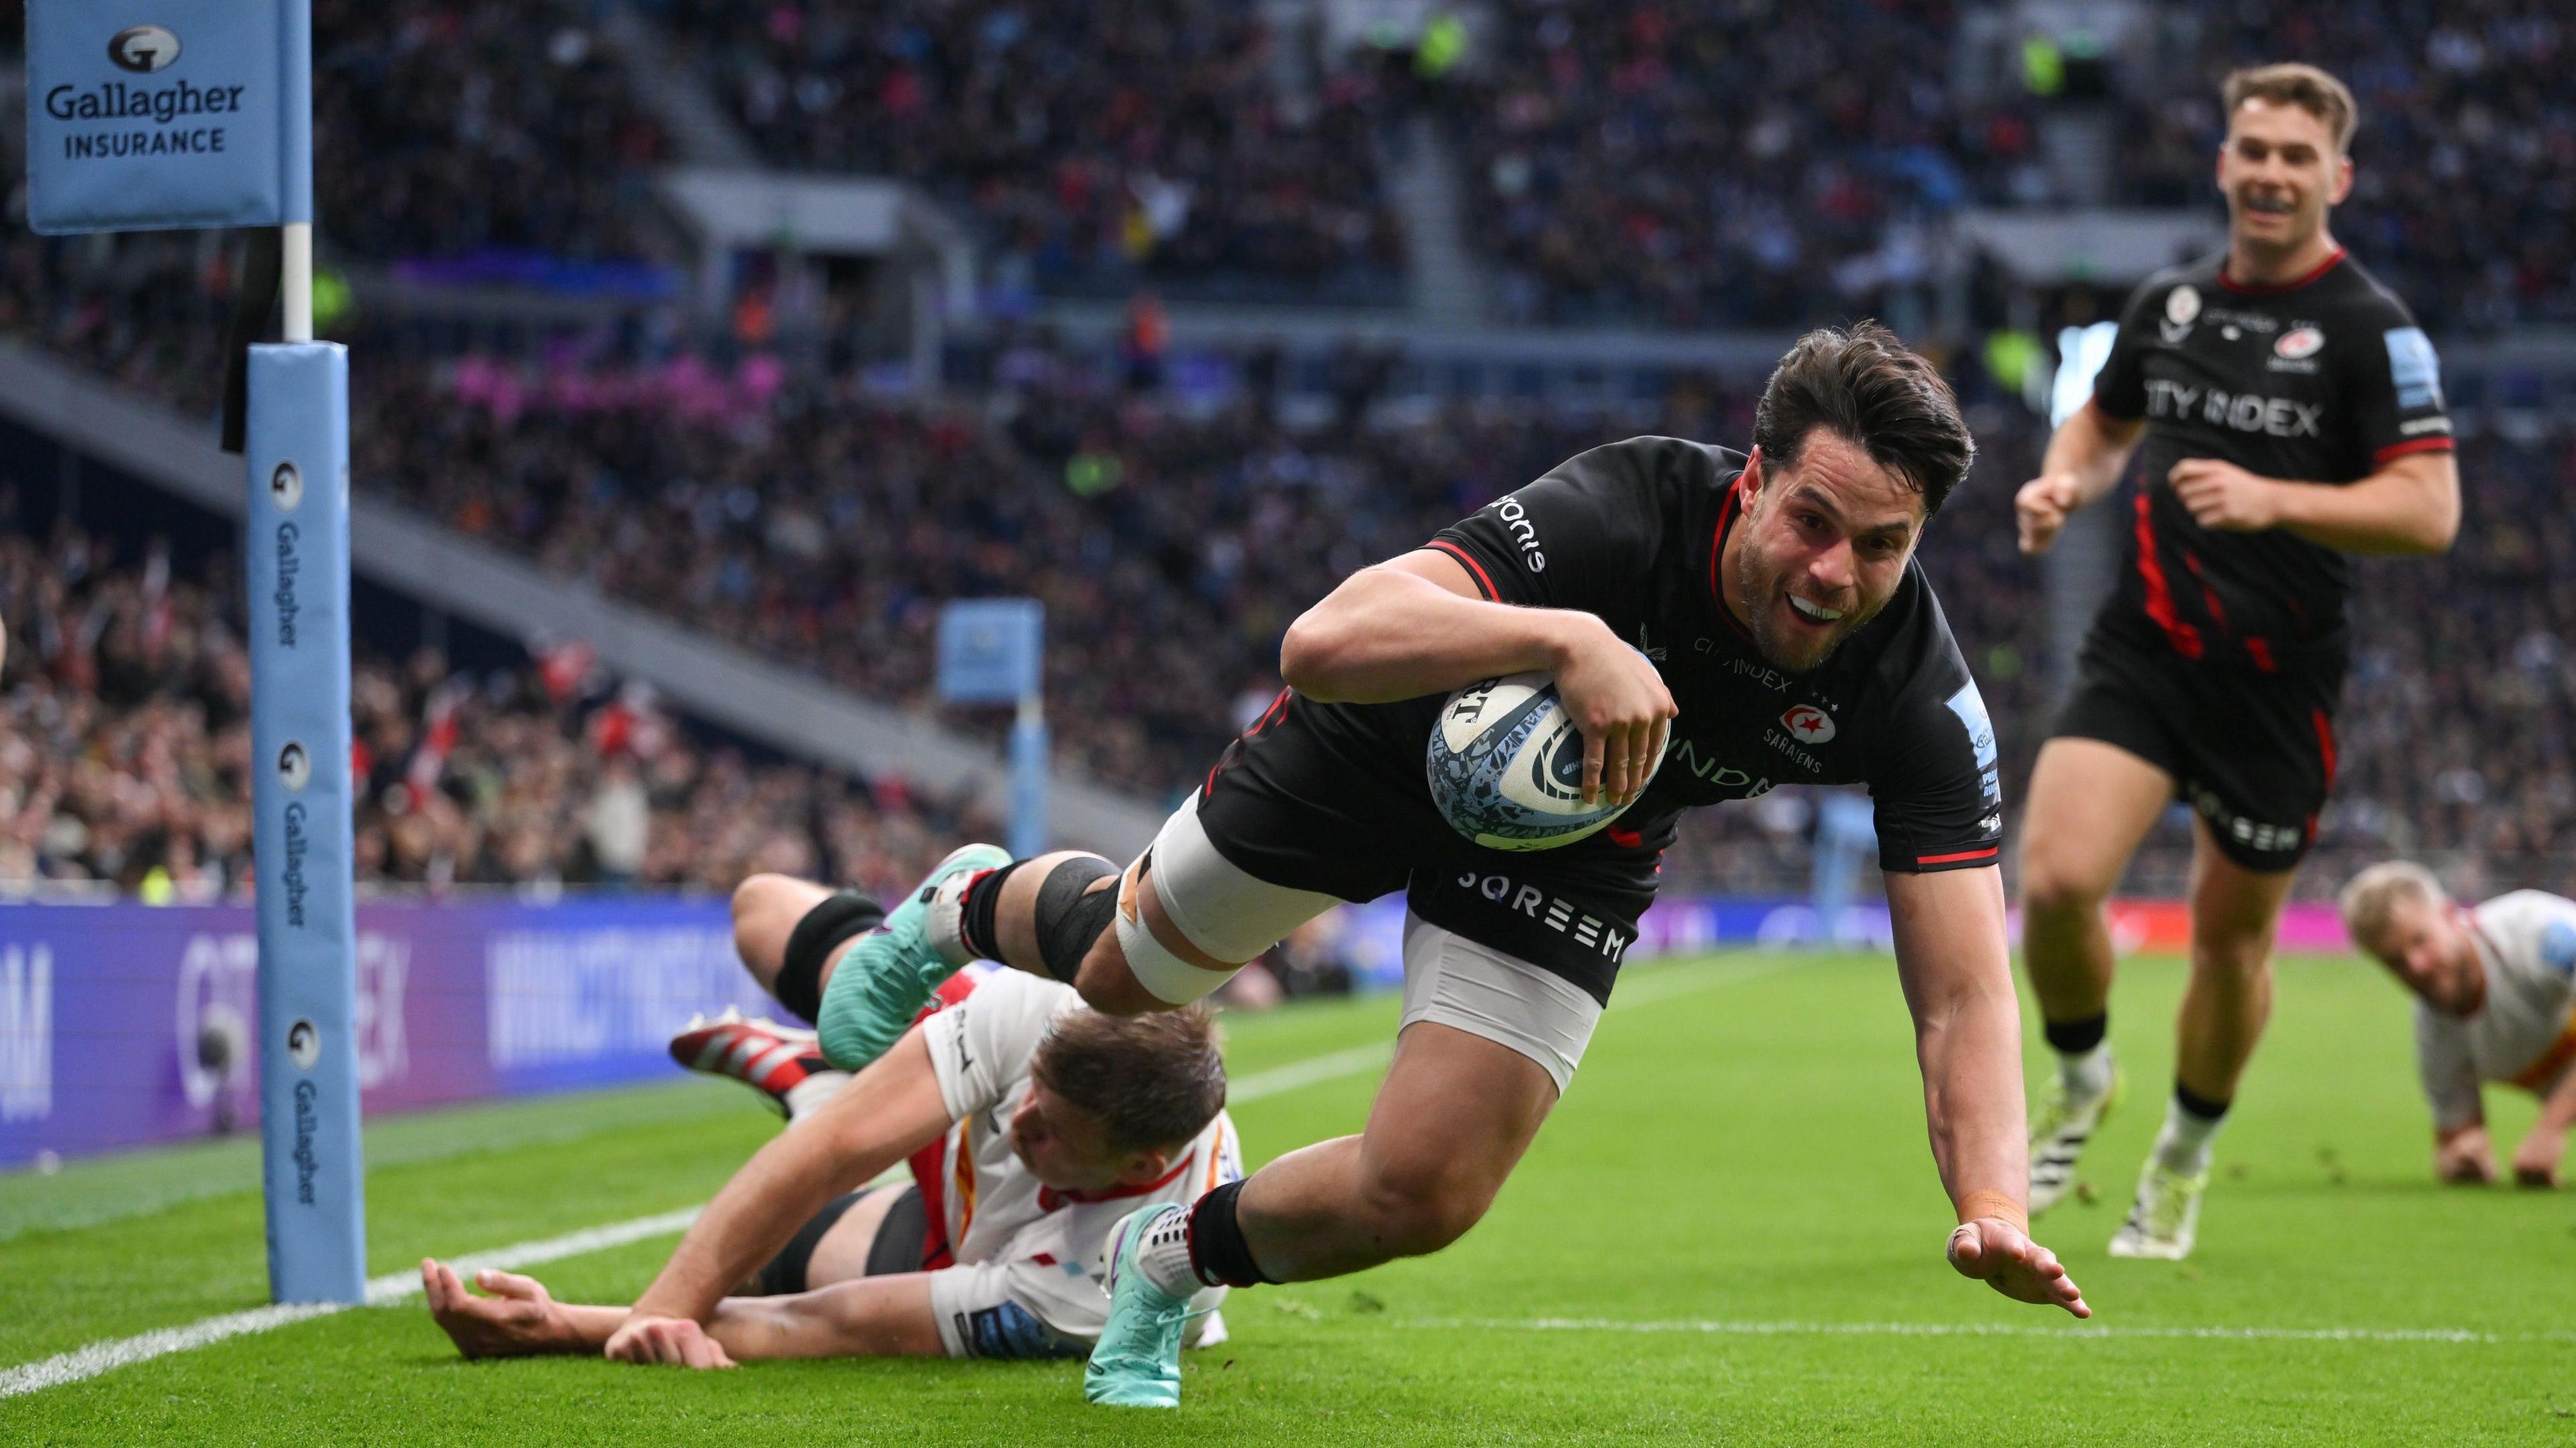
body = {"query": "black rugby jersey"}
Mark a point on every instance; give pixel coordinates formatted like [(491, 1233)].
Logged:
[(2322, 380), (1632, 533)]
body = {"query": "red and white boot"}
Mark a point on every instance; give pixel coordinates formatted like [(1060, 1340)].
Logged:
[(782, 1063)]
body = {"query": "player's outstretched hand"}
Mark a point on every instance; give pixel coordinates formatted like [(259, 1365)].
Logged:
[(2224, 497), (1620, 704), (2040, 509), (2535, 1162), (666, 1340), (2003, 1257), (519, 1318)]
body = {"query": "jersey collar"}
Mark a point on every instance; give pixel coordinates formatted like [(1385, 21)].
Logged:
[(2245, 289), (1049, 1198), (1728, 508)]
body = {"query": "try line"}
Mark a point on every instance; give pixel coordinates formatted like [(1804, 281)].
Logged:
[(394, 1287)]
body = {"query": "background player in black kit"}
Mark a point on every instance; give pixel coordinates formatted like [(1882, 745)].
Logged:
[(1763, 608), (2285, 410)]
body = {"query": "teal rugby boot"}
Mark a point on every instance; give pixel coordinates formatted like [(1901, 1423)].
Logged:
[(886, 975), (1137, 1361)]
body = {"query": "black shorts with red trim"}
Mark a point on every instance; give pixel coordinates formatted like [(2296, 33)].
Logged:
[(1296, 818), (2252, 753)]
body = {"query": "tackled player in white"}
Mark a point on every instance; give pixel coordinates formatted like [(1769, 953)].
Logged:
[(1032, 1126), (2495, 1002)]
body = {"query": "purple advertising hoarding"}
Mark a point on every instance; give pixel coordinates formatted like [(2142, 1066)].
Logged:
[(104, 1009)]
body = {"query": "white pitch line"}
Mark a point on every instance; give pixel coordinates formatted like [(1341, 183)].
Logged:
[(1984, 1329), (100, 1357)]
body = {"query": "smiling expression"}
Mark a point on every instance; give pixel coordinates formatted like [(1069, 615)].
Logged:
[(2280, 170), (1821, 548)]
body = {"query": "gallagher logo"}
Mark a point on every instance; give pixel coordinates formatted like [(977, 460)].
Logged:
[(143, 49), (2299, 342), (1810, 724)]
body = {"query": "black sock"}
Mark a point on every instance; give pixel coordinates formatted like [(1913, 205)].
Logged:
[(2074, 1038), (2199, 1105), (1217, 1250), (975, 922)]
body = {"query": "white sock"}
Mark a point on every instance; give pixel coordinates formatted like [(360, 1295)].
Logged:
[(2086, 1074), (2186, 1142), (813, 1091), (1165, 1257)]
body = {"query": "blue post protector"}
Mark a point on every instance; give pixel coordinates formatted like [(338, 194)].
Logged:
[(296, 552)]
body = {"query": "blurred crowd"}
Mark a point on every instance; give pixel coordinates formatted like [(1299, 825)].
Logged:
[(1093, 144), (125, 746)]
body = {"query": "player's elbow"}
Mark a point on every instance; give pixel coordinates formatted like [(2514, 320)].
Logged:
[(1314, 653)]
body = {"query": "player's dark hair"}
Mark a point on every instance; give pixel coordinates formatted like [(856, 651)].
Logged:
[(2291, 83), (1873, 391), (1153, 1080)]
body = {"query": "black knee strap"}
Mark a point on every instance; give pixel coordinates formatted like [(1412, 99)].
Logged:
[(810, 946), (1071, 915)]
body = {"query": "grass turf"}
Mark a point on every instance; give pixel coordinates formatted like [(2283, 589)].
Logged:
[(1712, 1240)]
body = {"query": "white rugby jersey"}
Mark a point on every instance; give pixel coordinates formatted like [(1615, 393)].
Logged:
[(2522, 1033), (1027, 1257)]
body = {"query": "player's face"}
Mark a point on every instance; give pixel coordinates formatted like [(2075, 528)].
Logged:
[(2280, 170), (1066, 1147), (2427, 945), (1825, 546)]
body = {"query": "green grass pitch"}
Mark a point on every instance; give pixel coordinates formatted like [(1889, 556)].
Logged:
[(1730, 1232)]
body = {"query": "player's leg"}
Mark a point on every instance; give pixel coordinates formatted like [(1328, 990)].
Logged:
[(2091, 802), (1168, 930), (2235, 913), (1487, 1046)]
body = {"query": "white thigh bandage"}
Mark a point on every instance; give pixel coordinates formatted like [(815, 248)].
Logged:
[(1229, 915)]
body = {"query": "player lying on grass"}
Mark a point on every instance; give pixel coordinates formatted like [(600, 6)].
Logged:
[(2495, 1000), (1763, 611), (1032, 1126)]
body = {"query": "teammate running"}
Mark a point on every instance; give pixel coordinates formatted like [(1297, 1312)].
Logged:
[(2495, 990), (2284, 410), (1032, 1127), (1762, 609)]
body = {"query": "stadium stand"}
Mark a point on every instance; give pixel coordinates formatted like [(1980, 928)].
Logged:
[(1098, 145), (816, 517), (125, 699)]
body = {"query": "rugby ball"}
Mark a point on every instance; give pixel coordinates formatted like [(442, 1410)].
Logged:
[(1506, 767)]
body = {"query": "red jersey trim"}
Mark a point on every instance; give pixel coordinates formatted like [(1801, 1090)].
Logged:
[(2244, 290), (2160, 601), (1726, 512), (2416, 445), (1988, 853), (1483, 579)]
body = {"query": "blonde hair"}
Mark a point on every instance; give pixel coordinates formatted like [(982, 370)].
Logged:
[(2291, 83), (2369, 898)]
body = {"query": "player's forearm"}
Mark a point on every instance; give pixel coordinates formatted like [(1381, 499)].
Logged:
[(2558, 1108), (2412, 506), (784, 1184), (1386, 634), (891, 1109), (1970, 1054), (864, 1317), (1953, 959), (2090, 447)]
